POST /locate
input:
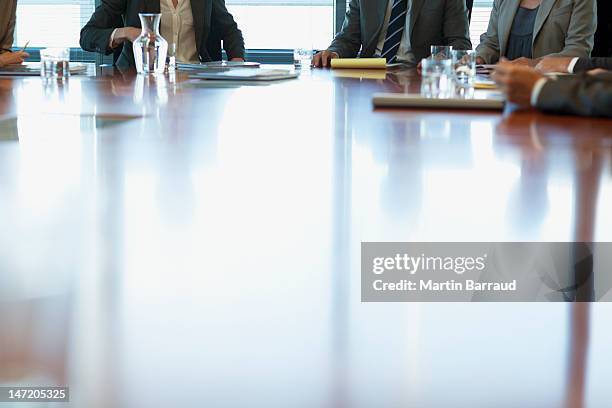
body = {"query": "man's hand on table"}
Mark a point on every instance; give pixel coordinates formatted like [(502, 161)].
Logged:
[(322, 59), (516, 81)]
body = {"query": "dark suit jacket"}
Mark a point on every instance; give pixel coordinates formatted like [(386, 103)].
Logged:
[(212, 23), (603, 35), (587, 64), (586, 95), (432, 22)]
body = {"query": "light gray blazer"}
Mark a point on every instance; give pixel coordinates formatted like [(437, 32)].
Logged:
[(432, 22), (7, 22), (563, 28)]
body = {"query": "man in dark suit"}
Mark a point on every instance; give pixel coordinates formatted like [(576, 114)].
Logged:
[(202, 25), (586, 94), (398, 30)]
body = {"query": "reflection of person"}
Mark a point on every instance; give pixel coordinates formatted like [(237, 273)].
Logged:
[(532, 29), (587, 95), (398, 30), (7, 30), (197, 28)]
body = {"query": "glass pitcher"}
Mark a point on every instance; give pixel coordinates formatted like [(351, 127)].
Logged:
[(150, 48)]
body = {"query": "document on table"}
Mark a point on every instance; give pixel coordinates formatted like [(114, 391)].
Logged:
[(246, 74), (483, 82), (359, 63), (399, 100), (33, 69), (216, 65)]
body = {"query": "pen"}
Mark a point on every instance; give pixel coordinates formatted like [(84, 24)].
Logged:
[(25, 46)]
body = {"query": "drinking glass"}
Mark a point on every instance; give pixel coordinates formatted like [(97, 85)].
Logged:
[(302, 58), (436, 78), (441, 52), (464, 65), (55, 63)]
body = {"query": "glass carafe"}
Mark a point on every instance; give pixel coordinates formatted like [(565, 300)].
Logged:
[(150, 48)]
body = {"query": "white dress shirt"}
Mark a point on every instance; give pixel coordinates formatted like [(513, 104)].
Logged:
[(572, 65), (537, 88), (404, 52), (177, 28)]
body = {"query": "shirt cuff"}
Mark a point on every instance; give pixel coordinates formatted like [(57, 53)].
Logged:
[(572, 64), (112, 39), (537, 88)]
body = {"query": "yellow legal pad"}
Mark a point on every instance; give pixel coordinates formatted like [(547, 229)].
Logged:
[(361, 63)]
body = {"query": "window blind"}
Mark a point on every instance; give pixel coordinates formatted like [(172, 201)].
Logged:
[(52, 23), (480, 20)]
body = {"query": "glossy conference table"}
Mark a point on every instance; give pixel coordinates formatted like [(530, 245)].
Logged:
[(173, 244)]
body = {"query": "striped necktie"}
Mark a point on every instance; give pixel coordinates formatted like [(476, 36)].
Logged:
[(395, 29)]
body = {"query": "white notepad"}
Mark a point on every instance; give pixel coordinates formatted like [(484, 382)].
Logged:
[(417, 101)]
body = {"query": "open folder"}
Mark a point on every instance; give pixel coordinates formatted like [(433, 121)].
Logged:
[(360, 63)]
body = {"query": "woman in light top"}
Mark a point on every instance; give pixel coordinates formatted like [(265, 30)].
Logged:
[(525, 30), (7, 28)]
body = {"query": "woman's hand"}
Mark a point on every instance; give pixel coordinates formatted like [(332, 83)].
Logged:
[(9, 58)]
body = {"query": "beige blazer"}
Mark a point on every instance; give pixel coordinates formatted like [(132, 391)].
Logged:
[(8, 10), (562, 28)]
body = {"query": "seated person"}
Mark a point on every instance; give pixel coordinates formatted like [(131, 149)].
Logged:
[(7, 29), (532, 29), (203, 24), (573, 65), (587, 94), (7, 25), (398, 30)]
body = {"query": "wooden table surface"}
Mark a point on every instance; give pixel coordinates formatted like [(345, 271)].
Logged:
[(165, 243)]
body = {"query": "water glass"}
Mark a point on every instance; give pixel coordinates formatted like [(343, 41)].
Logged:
[(55, 63), (436, 78), (441, 52), (464, 65), (302, 58)]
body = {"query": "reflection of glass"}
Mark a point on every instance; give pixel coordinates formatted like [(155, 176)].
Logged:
[(54, 63), (171, 57), (436, 78), (150, 48), (441, 52), (302, 58), (464, 64)]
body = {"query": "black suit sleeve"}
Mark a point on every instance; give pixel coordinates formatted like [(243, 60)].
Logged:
[(347, 42), (233, 42), (586, 64), (95, 35), (585, 95)]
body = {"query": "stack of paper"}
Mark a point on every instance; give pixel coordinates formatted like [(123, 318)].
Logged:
[(360, 63)]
